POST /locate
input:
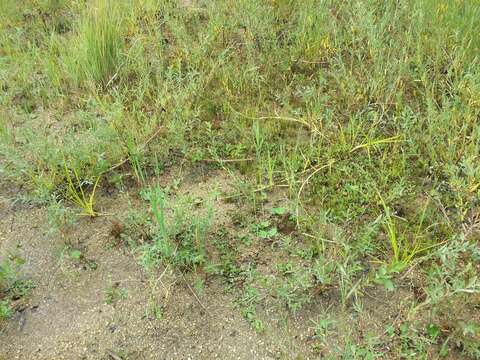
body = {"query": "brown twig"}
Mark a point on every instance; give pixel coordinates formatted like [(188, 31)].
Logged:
[(113, 355), (194, 294)]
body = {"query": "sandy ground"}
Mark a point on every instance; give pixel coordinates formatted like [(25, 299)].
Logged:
[(67, 317)]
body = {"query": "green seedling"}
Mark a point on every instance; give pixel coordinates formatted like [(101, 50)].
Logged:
[(403, 249), (76, 193), (76, 254), (265, 230)]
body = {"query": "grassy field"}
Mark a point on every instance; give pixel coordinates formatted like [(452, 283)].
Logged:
[(348, 133)]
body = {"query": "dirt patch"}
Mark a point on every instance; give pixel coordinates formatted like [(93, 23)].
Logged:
[(67, 316), (101, 304)]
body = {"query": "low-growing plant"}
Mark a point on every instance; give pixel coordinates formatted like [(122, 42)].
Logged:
[(323, 271), (295, 290), (75, 191), (323, 325), (12, 285), (60, 218), (452, 283), (347, 270), (114, 293), (178, 239), (384, 275), (5, 309), (265, 230), (249, 298), (404, 247)]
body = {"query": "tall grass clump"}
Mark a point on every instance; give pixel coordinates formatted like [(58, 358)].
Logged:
[(98, 45)]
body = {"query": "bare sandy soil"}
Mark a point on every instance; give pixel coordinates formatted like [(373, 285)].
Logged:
[(67, 317)]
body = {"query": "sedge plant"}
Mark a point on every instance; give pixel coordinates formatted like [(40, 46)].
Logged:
[(403, 249), (75, 192)]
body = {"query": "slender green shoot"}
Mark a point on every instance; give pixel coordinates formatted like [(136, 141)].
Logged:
[(75, 193)]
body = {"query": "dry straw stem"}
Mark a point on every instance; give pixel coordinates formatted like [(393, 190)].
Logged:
[(310, 126), (369, 144), (305, 182)]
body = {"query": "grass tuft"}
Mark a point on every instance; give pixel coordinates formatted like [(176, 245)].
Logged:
[(98, 45), (76, 193)]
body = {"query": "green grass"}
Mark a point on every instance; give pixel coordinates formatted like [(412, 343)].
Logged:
[(181, 239), (363, 115), (75, 192), (97, 46)]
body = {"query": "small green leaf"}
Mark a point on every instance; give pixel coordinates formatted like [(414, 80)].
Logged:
[(388, 284), (76, 254), (263, 234), (264, 224), (267, 234), (383, 277), (19, 261), (390, 330), (433, 331), (92, 264), (272, 232), (278, 210)]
